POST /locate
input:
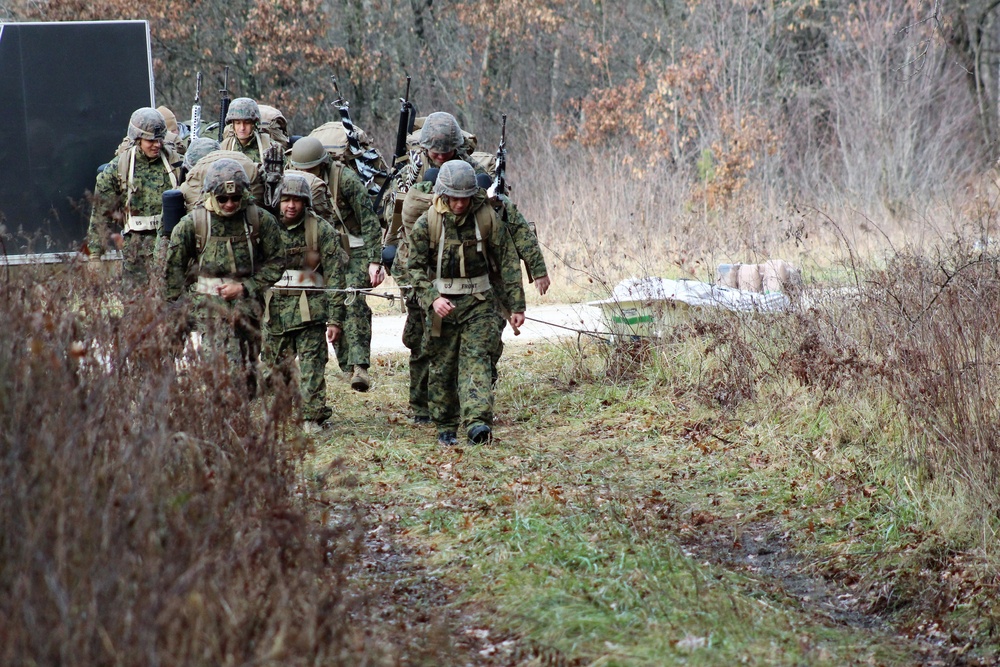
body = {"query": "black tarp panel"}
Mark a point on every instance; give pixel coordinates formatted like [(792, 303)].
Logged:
[(66, 93)]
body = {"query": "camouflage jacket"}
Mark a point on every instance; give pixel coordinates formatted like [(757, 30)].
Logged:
[(525, 240), (258, 143), (150, 179), (354, 210), (227, 254), (284, 306), (423, 258)]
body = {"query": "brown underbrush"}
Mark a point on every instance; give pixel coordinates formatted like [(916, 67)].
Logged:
[(151, 514)]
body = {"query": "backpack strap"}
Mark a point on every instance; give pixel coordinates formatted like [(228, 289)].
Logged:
[(125, 158), (484, 218), (312, 233), (264, 142), (203, 233)]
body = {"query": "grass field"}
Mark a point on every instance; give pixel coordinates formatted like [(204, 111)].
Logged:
[(642, 505)]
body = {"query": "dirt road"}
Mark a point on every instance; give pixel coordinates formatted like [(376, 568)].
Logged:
[(545, 322)]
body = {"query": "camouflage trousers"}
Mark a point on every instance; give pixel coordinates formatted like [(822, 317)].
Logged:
[(355, 345), (309, 344), (231, 329), (142, 266), (459, 383), (413, 339)]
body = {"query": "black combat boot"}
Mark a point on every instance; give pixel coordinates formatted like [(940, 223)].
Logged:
[(479, 434), (447, 438)]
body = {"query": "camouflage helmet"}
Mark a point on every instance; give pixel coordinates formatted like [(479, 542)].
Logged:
[(225, 177), (296, 185), (243, 108), (198, 149), (457, 178), (307, 153), (147, 123), (441, 133)]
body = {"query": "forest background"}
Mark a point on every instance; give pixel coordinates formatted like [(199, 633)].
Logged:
[(722, 130)]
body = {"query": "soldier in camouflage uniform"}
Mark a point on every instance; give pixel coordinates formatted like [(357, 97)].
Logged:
[(417, 201), (451, 274), (299, 322), (242, 131), (353, 215), (221, 257), (440, 140), (129, 197)]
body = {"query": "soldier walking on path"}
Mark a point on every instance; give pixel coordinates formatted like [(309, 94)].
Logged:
[(352, 209), (299, 317), (222, 256), (128, 198), (440, 139), (454, 247)]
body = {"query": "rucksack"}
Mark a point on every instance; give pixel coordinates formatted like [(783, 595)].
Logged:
[(368, 163), (274, 123), (193, 182)]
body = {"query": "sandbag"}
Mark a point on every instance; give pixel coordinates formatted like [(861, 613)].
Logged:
[(750, 278)]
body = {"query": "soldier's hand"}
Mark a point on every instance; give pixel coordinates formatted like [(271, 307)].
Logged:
[(442, 306), (376, 274), (332, 333), (118, 240), (516, 322), (231, 292), (542, 284)]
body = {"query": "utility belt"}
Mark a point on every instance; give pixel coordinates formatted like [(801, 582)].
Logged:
[(207, 285), (293, 280), (141, 223), (475, 285)]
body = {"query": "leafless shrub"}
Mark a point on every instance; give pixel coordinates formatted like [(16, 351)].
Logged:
[(938, 327), (150, 513)]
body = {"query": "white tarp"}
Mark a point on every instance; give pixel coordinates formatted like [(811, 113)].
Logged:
[(692, 293)]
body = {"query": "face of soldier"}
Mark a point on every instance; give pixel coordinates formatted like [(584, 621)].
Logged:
[(292, 209), (440, 158), (150, 148), (243, 130), (229, 203), (459, 205)]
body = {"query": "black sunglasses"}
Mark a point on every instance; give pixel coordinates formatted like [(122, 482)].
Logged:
[(225, 199)]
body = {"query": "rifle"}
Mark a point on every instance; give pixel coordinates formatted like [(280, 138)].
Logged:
[(498, 190), (273, 171), (366, 161), (499, 186), (407, 114), (224, 103), (196, 109)]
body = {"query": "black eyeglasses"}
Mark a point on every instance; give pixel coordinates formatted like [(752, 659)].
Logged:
[(225, 199)]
